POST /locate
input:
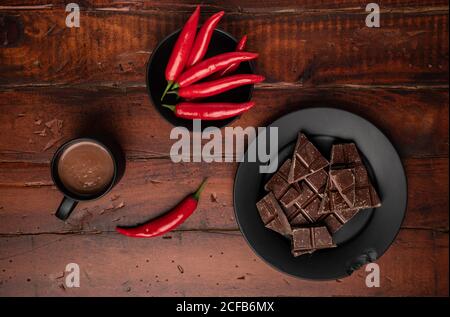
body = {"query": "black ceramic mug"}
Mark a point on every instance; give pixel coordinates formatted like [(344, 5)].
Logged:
[(85, 169)]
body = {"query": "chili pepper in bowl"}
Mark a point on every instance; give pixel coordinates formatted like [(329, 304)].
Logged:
[(218, 86), (232, 68), (211, 65), (166, 222), (181, 50), (203, 38), (209, 110)]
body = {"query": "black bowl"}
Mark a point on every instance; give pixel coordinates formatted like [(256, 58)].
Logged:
[(361, 240), (221, 42)]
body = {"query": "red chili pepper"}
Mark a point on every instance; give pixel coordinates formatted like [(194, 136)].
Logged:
[(203, 38), (209, 110), (232, 68), (211, 65), (181, 50), (215, 87), (166, 222)]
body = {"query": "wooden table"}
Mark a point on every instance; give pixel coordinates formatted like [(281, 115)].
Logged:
[(313, 53)]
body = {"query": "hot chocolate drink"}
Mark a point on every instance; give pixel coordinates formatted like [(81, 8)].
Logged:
[(86, 168)]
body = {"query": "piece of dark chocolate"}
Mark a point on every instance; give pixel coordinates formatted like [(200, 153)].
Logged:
[(308, 240), (344, 180), (278, 183), (345, 161), (337, 219), (306, 160), (344, 156), (303, 200), (272, 215)]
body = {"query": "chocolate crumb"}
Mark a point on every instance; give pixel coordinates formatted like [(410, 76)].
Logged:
[(50, 143), (119, 206), (214, 197), (241, 277), (42, 132)]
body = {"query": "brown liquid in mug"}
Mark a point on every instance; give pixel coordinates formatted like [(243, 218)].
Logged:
[(86, 168)]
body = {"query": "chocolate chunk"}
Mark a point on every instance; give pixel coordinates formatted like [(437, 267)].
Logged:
[(272, 215), (345, 156), (337, 219), (303, 200), (306, 160), (301, 241), (317, 181), (344, 180), (278, 183), (345, 161), (308, 240)]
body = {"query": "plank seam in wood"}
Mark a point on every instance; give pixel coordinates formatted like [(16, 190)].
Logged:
[(232, 231)]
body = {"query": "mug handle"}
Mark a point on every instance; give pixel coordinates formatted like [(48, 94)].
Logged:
[(65, 208)]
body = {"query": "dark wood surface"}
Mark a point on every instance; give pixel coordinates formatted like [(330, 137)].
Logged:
[(314, 53)]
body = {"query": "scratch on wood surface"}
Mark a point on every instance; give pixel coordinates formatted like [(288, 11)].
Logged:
[(124, 9), (25, 7), (33, 248), (298, 85), (38, 184), (61, 66), (50, 30)]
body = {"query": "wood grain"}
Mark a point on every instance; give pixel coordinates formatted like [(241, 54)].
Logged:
[(202, 264), (248, 6), (129, 116), (152, 187), (310, 47)]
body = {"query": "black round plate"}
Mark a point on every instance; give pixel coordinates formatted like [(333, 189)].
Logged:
[(221, 42), (365, 237)]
